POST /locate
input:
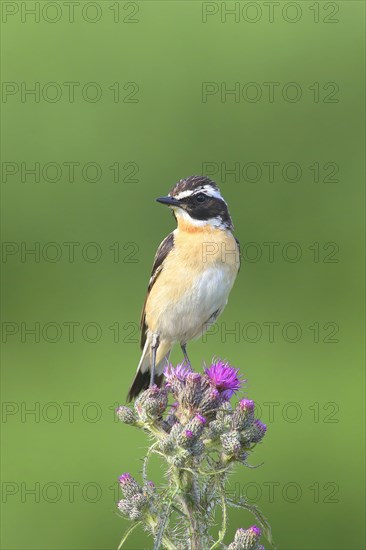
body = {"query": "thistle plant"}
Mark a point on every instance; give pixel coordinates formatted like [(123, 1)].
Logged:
[(199, 437)]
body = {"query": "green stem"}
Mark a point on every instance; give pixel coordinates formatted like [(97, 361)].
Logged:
[(189, 507), (168, 544), (193, 526), (128, 532), (214, 472), (222, 531), (161, 536), (146, 460)]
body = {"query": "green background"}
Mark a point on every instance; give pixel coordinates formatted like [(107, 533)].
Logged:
[(313, 451)]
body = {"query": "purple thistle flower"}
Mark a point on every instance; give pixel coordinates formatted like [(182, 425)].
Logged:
[(246, 405), (189, 434), (255, 530), (225, 378), (261, 426), (125, 478), (201, 418), (214, 393), (178, 373)]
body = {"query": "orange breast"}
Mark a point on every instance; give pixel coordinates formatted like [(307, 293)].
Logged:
[(193, 253)]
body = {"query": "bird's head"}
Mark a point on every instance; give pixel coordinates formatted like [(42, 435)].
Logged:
[(197, 202)]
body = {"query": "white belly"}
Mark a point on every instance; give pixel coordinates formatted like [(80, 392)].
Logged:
[(189, 317)]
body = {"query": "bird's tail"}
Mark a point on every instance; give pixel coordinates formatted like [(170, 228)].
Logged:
[(142, 378)]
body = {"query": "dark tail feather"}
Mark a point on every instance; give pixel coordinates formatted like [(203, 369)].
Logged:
[(141, 382)]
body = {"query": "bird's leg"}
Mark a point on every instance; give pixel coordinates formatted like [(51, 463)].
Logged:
[(154, 349), (184, 350)]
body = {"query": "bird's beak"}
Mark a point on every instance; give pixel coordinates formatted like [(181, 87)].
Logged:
[(169, 201)]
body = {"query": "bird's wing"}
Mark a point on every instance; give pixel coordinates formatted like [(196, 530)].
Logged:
[(162, 252)]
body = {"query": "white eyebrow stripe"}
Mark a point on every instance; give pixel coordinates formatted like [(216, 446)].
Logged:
[(207, 189), (184, 194), (211, 192)]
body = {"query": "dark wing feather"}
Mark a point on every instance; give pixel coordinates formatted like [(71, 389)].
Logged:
[(160, 256)]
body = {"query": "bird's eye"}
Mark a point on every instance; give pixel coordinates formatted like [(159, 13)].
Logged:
[(200, 197)]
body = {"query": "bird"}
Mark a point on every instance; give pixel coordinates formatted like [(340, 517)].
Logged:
[(193, 272)]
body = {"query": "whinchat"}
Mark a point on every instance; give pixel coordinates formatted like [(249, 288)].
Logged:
[(193, 273)]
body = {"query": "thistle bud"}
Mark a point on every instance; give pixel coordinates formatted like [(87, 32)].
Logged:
[(167, 445), (175, 432), (126, 415), (149, 489), (191, 394), (135, 514), (247, 539), (258, 431), (179, 460), (139, 501), (243, 457), (214, 430), (243, 415), (253, 434), (196, 425), (231, 443), (128, 485), (171, 418), (224, 416), (124, 507), (210, 401), (152, 403), (197, 448), (225, 408), (186, 439), (165, 426), (176, 377)]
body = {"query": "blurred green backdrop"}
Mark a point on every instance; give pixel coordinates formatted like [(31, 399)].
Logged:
[(129, 97)]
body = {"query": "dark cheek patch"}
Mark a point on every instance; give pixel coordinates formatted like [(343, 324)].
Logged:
[(209, 209)]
